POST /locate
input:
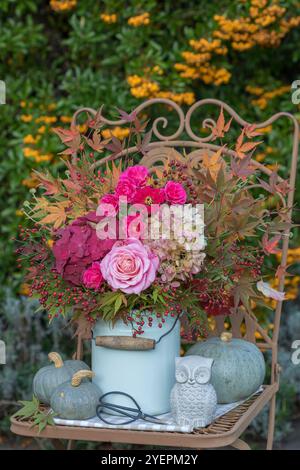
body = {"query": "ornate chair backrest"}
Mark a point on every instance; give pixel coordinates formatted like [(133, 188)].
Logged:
[(163, 147)]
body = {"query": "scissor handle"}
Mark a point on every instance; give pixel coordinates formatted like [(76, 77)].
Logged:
[(115, 392), (122, 410)]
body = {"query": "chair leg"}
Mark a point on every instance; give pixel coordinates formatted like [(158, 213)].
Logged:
[(271, 426), (240, 445), (70, 445)]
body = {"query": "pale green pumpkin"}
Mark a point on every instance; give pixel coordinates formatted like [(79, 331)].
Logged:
[(76, 365), (238, 369), (49, 377), (76, 399)]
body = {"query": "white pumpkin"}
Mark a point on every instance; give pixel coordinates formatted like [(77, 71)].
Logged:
[(238, 369)]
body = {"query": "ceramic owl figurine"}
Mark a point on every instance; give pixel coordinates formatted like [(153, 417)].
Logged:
[(193, 398)]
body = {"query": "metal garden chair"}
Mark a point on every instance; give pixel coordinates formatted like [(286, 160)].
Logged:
[(226, 430)]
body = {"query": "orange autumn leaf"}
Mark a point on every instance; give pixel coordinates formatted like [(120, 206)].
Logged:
[(113, 172), (213, 163), (242, 147), (221, 127), (57, 214)]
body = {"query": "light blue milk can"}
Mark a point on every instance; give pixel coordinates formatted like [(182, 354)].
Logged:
[(148, 376)]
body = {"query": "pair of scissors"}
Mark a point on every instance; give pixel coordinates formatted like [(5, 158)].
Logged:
[(130, 412)]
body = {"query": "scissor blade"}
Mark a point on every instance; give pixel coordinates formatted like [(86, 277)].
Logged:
[(152, 419)]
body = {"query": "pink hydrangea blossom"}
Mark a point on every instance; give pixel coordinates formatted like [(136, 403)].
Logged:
[(92, 276), (175, 193), (130, 266), (137, 174), (78, 246)]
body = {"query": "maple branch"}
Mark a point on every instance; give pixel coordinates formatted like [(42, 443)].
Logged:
[(252, 186)]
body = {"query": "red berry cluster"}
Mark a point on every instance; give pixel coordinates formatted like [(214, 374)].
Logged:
[(33, 249), (55, 294), (214, 300), (141, 318)]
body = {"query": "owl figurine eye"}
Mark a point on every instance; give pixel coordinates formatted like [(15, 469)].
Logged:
[(202, 375), (182, 375)]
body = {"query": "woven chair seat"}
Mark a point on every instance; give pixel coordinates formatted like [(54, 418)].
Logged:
[(225, 431)]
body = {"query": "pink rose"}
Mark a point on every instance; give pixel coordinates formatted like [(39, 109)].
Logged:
[(175, 193), (92, 276), (130, 266), (126, 188), (110, 199), (137, 174)]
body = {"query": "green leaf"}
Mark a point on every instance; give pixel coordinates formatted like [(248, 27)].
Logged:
[(31, 409), (155, 295), (118, 303), (28, 409), (160, 297)]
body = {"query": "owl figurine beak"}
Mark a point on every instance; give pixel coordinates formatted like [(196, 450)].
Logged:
[(191, 382)]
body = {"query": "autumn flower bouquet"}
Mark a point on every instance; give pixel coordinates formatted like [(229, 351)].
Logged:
[(112, 238)]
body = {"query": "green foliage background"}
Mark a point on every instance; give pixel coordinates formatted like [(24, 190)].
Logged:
[(56, 61)]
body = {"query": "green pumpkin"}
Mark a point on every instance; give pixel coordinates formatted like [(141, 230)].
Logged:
[(76, 365), (49, 377), (238, 369), (76, 399)]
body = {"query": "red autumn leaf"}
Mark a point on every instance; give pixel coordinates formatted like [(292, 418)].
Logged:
[(144, 146), (48, 182), (67, 136), (274, 186), (282, 271), (32, 273), (72, 186), (70, 137), (115, 146), (242, 168), (127, 117), (250, 131), (72, 171), (139, 126), (96, 122), (96, 143), (283, 187), (270, 245)]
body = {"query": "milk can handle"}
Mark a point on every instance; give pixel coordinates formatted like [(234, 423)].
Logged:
[(129, 343)]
